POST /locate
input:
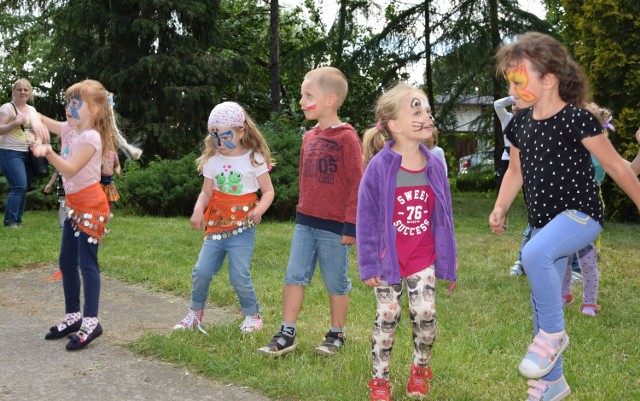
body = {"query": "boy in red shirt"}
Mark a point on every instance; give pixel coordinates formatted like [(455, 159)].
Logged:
[(330, 172)]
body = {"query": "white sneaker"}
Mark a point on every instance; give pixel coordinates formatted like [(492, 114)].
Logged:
[(251, 323), (517, 269), (575, 277)]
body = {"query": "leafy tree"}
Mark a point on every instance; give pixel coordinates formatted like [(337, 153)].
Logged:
[(604, 37)]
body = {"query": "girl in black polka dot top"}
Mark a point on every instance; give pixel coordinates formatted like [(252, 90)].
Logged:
[(551, 138)]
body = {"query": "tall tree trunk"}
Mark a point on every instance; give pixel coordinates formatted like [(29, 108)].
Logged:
[(497, 88), (342, 21), (428, 73), (275, 56)]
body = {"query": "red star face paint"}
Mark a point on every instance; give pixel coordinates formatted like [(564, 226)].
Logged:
[(519, 79)]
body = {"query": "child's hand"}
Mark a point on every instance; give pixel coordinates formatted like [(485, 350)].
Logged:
[(197, 220), (255, 216), (47, 188), (347, 240), (373, 281), (40, 149), (497, 220)]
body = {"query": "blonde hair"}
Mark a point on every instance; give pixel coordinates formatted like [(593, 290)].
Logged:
[(603, 115), (104, 120), (331, 81), (25, 82), (252, 139), (387, 109)]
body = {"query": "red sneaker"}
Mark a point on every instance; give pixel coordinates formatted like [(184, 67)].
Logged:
[(380, 390), (418, 386)]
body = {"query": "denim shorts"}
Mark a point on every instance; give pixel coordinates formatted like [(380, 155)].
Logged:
[(311, 245)]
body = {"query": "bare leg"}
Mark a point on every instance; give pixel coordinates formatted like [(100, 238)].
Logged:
[(339, 305), (292, 302)]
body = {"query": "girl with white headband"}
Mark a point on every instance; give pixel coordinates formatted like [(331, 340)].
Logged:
[(235, 163)]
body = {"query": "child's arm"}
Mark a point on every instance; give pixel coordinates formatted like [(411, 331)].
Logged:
[(266, 187), (500, 106), (511, 184), (197, 217), (54, 177), (68, 168), (635, 164), (617, 168), (117, 167), (52, 125), (354, 170)]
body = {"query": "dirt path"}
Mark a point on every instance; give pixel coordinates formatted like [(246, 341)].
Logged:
[(34, 369)]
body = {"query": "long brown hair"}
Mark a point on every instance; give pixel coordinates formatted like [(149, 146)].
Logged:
[(547, 56)]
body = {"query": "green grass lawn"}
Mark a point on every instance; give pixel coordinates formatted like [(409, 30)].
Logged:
[(484, 325)]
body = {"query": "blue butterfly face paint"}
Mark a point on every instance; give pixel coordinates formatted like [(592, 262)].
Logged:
[(75, 105), (225, 138)]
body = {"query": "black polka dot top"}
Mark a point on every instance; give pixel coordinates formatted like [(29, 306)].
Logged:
[(556, 169)]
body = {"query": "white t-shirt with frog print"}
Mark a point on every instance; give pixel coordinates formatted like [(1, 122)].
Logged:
[(235, 175)]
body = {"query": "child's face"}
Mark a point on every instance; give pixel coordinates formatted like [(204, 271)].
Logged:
[(226, 139), (524, 84), (77, 111), (414, 117), (312, 100)]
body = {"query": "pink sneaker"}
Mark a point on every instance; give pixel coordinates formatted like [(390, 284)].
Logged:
[(193, 320), (543, 390), (543, 354), (251, 323), (590, 309)]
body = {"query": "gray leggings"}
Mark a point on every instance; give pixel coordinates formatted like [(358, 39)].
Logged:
[(422, 311)]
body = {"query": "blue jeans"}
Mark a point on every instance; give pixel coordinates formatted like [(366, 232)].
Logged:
[(311, 245), (240, 250), (18, 173), (544, 259), (78, 252), (526, 236)]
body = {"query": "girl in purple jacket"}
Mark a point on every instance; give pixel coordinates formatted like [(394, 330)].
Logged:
[(404, 231)]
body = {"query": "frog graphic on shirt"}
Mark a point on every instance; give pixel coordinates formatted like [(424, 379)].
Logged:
[(231, 184)]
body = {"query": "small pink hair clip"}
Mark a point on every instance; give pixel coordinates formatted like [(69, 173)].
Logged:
[(379, 126)]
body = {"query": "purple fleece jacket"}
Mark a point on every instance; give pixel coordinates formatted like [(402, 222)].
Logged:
[(375, 233)]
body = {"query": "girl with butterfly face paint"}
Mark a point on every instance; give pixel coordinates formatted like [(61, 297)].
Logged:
[(235, 164)]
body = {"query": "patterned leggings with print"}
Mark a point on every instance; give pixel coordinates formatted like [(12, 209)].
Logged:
[(422, 310)]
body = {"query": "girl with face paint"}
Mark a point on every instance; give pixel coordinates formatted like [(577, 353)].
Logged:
[(235, 163), (405, 232), (87, 136), (552, 137)]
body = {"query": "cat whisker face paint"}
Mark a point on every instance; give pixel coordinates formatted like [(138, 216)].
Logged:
[(420, 106)]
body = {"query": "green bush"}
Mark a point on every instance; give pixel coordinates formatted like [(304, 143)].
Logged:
[(171, 187), (475, 181), (163, 188), (285, 139)]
